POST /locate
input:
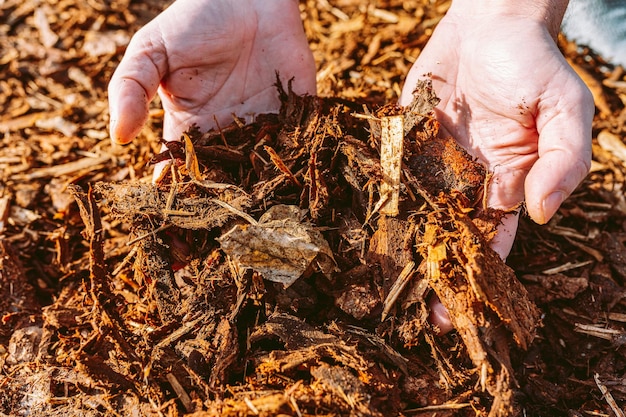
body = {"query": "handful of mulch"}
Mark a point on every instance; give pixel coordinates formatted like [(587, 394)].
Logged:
[(312, 240)]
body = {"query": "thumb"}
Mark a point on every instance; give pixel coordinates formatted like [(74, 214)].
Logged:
[(133, 85), (564, 151)]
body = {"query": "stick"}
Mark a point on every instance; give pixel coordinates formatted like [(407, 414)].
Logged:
[(442, 407), (608, 397), (180, 392), (396, 289)]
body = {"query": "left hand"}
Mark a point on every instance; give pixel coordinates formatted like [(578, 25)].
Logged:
[(207, 60)]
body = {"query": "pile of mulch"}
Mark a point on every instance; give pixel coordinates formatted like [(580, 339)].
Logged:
[(268, 272)]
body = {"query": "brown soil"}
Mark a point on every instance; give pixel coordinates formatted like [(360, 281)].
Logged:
[(264, 274)]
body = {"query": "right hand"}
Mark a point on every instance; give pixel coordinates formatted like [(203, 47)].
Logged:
[(511, 100), (207, 60)]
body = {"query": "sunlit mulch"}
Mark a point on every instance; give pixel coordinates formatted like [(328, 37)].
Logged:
[(95, 321)]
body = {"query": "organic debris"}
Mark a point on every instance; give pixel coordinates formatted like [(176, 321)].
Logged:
[(288, 244), (268, 271)]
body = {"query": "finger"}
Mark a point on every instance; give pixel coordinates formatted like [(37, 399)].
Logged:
[(551, 180), (504, 239), (506, 192), (133, 85), (439, 316), (128, 108), (564, 152)]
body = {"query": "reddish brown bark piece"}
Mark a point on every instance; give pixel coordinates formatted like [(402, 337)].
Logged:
[(496, 285), (17, 296), (442, 166), (390, 247)]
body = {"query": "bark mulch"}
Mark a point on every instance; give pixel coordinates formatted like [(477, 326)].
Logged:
[(284, 267)]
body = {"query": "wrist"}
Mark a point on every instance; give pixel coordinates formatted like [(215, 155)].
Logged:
[(548, 13)]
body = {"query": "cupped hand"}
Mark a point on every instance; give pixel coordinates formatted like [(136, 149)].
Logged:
[(509, 97), (207, 60)]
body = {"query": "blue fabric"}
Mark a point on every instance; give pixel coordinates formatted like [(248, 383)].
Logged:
[(599, 24)]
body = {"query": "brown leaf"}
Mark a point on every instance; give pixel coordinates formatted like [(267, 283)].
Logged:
[(281, 247)]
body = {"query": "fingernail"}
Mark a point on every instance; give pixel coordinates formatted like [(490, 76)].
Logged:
[(112, 125), (551, 204), (113, 133)]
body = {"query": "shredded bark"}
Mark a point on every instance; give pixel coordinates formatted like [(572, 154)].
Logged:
[(262, 274)]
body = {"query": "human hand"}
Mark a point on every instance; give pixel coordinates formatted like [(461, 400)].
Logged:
[(208, 59), (510, 99)]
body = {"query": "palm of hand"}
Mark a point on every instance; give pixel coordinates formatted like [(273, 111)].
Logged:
[(513, 102), (208, 60)]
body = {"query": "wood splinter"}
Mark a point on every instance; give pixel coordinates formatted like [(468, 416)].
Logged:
[(391, 148), (180, 392), (608, 397), (396, 289)]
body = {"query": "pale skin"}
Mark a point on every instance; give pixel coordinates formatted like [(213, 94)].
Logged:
[(507, 94), (209, 59), (509, 97)]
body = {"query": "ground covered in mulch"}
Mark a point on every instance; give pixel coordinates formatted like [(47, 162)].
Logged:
[(284, 267)]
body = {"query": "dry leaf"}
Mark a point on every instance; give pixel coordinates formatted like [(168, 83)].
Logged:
[(281, 247)]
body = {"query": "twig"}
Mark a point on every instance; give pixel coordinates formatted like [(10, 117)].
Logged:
[(239, 213), (180, 392), (150, 233), (89, 164), (396, 289), (211, 185), (608, 397), (172, 195), (621, 317), (617, 337), (251, 406), (566, 267), (407, 188), (169, 339), (591, 251), (219, 128), (442, 407), (191, 160), (181, 213), (294, 405), (381, 202), (125, 261), (278, 162), (364, 116)]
